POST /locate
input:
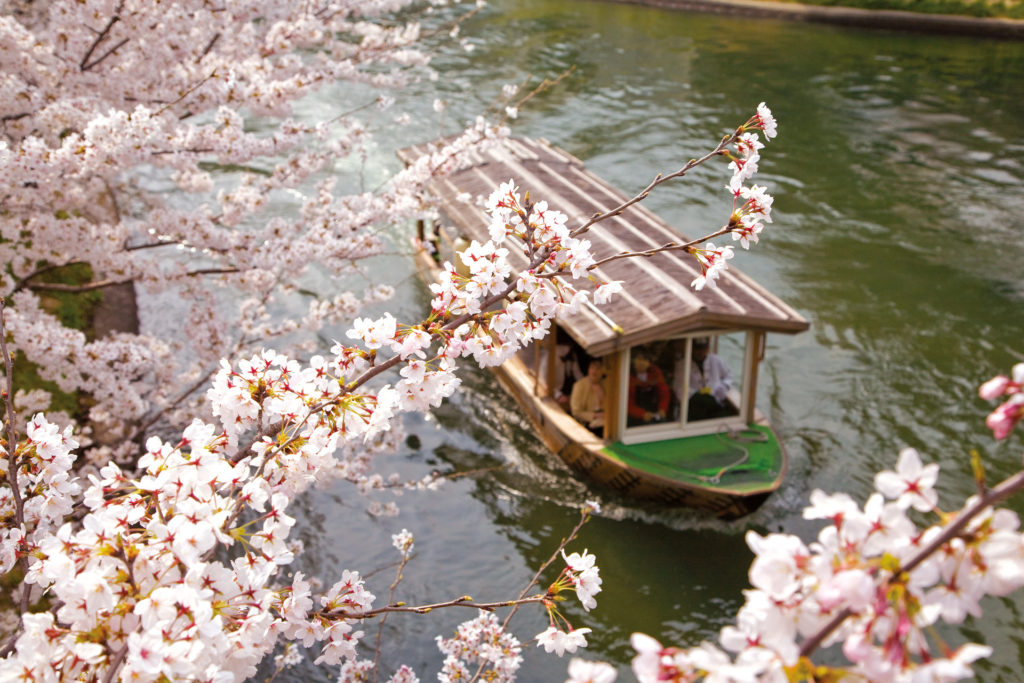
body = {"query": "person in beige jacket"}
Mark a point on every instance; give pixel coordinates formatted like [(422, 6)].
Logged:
[(587, 401)]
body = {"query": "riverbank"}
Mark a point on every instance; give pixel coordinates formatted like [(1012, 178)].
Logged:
[(949, 24)]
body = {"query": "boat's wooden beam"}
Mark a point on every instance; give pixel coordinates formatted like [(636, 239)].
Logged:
[(611, 396), (536, 368), (755, 355), (551, 343)]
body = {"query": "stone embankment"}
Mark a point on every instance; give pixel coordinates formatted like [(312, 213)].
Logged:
[(1006, 29)]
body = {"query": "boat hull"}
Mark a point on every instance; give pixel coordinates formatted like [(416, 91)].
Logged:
[(591, 457)]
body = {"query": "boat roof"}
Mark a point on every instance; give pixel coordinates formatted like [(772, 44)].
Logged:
[(657, 300)]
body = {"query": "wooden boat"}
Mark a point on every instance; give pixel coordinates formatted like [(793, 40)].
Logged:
[(727, 464)]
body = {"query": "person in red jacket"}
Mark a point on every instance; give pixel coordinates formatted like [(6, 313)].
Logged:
[(649, 395)]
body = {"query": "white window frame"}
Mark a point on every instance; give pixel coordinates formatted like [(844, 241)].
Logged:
[(680, 428)]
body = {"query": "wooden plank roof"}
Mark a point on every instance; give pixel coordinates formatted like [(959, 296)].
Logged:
[(657, 300)]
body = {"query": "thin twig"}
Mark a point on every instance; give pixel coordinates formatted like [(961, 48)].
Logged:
[(544, 85), (584, 516), (384, 617), (101, 37), (658, 180), (186, 93), (670, 246), (140, 432), (12, 431), (209, 46)]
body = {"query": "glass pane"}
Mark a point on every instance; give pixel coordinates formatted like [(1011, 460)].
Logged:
[(686, 381), (649, 398), (715, 379)]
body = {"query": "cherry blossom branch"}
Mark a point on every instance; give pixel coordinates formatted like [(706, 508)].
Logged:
[(115, 663), (464, 601), (544, 85), (240, 343), (538, 259), (584, 517), (1005, 489), (198, 384), (453, 27)]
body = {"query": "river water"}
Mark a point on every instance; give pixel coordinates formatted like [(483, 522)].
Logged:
[(899, 182)]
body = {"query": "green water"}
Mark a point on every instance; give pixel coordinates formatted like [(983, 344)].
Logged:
[(898, 176)]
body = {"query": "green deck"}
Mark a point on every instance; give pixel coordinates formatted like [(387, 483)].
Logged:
[(738, 465)]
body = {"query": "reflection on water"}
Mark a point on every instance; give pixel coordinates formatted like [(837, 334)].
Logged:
[(897, 175)]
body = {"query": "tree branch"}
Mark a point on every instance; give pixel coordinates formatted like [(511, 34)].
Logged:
[(102, 284), (13, 460), (209, 46), (23, 282), (105, 55), (658, 180), (670, 246), (464, 601), (187, 92), (100, 38)]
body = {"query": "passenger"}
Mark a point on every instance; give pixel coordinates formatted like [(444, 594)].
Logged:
[(568, 370), (710, 381), (649, 395), (587, 401)]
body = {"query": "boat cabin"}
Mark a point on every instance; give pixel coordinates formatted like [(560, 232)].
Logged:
[(677, 363)]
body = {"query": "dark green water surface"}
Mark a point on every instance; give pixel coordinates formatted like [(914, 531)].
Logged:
[(899, 182)]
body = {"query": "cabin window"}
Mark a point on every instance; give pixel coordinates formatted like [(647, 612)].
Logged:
[(688, 384)]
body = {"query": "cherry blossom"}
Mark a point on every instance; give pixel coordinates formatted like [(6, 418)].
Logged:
[(1004, 418), (766, 121), (712, 261), (480, 642), (583, 671), (560, 642), (911, 485)]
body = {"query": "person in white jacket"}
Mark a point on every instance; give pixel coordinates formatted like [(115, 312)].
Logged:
[(710, 381)]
